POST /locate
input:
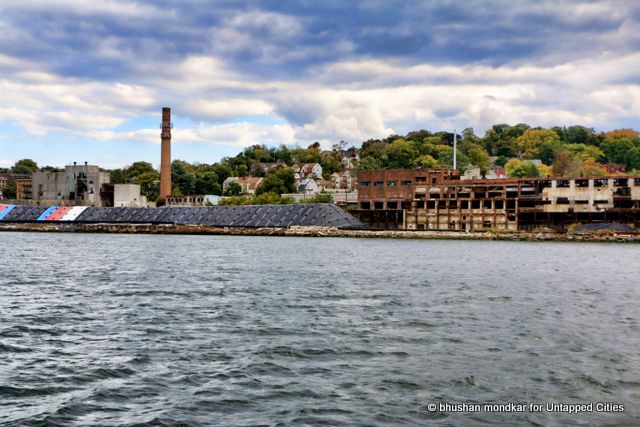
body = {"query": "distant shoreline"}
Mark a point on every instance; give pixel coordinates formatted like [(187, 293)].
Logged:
[(599, 236)]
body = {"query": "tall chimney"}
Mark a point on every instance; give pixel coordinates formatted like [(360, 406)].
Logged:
[(165, 156)]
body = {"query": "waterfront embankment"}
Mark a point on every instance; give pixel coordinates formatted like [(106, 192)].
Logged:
[(302, 231)]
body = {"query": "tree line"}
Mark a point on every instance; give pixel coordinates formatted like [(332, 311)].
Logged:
[(523, 151)]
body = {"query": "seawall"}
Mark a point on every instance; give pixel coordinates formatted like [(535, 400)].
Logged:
[(302, 231)]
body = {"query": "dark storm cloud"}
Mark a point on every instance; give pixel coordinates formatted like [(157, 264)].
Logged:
[(285, 39)]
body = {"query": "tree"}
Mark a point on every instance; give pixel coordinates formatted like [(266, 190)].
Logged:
[(480, 159), (278, 181), (620, 134), (427, 161), (117, 176), (149, 184), (566, 164), (183, 178), (9, 191), (319, 198), (233, 189), (516, 168), (591, 168), (530, 141), (368, 163), (500, 139), (139, 168), (580, 135), (544, 171), (586, 152), (24, 166), (207, 183), (400, 155), (621, 151), (268, 198)]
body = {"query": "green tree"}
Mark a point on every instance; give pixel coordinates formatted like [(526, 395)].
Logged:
[(149, 184), (9, 191), (278, 181), (400, 155), (500, 140), (207, 183), (620, 150), (479, 158), (25, 166), (117, 176), (427, 161), (233, 189), (368, 163), (184, 180), (319, 198), (516, 168), (586, 152), (529, 142), (139, 168)]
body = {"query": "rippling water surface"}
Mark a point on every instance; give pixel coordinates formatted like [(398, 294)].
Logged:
[(202, 330)]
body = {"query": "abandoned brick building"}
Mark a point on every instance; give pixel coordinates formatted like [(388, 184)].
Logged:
[(437, 199)]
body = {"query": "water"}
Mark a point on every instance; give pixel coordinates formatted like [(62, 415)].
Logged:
[(202, 330)]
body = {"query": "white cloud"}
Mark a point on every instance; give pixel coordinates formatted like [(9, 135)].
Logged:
[(118, 8), (240, 134)]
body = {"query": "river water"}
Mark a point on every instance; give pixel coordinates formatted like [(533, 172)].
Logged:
[(203, 330)]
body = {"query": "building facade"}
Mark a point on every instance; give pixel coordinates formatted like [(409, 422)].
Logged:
[(77, 184), (24, 187), (448, 203)]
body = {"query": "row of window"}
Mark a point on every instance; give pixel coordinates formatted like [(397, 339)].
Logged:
[(389, 183)]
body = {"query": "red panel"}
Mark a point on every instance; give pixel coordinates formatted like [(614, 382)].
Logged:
[(58, 213)]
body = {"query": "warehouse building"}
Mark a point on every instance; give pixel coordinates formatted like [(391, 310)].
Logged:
[(436, 199)]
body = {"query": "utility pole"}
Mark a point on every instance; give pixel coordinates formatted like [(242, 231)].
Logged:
[(455, 149)]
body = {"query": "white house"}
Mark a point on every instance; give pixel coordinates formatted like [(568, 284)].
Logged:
[(308, 186)]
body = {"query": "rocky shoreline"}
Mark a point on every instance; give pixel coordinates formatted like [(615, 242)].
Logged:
[(600, 236)]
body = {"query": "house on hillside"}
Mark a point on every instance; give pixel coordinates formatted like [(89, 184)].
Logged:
[(343, 180), (248, 184), (307, 170), (308, 187)]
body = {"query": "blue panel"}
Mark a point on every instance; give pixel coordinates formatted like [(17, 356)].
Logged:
[(6, 211), (46, 213)]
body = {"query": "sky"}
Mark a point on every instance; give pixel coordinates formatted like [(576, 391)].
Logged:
[(86, 80)]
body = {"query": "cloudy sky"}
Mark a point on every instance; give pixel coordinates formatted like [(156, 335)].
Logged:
[(86, 80)]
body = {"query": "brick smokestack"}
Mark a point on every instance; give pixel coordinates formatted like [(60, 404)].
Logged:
[(165, 156)]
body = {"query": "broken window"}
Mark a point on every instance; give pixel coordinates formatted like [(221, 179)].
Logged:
[(392, 183)]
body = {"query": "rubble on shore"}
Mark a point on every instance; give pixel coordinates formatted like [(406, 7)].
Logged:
[(304, 231)]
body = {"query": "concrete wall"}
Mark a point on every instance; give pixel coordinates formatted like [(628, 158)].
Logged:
[(62, 186), (127, 195)]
